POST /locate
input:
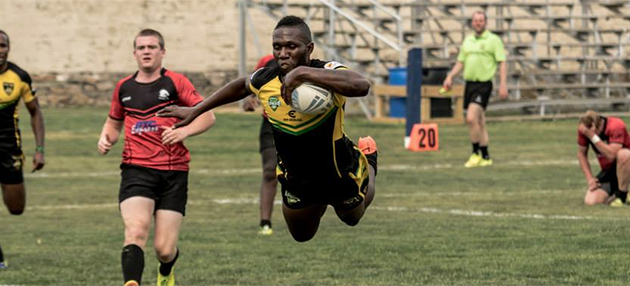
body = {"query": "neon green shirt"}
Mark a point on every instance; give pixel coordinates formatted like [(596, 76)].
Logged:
[(480, 56)]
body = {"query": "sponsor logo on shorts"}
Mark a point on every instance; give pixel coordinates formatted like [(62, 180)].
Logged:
[(274, 102), (17, 162), (291, 199), (127, 98), (144, 126), (365, 189), (478, 99), (8, 87), (352, 201)]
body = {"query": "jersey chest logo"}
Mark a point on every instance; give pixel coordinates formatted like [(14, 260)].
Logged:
[(274, 102), (164, 95), (8, 87)]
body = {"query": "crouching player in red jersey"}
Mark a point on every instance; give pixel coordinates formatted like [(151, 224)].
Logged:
[(155, 161), (610, 141), (318, 165)]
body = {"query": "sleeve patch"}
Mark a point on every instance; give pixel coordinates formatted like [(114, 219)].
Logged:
[(254, 73), (334, 65)]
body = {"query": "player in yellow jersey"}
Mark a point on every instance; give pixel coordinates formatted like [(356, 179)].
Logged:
[(16, 84), (317, 164)]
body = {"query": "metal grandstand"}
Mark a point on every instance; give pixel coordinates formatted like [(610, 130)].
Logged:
[(560, 52)]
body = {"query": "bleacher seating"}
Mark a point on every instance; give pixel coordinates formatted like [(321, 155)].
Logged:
[(557, 49)]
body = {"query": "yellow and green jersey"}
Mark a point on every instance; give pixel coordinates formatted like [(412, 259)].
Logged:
[(16, 84), (480, 56), (310, 147)]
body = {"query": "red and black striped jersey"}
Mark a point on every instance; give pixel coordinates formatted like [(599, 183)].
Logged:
[(137, 103), (614, 132)]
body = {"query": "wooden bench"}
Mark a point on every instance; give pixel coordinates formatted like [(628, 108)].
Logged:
[(383, 93)]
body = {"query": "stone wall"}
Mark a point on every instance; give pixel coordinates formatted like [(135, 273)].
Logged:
[(95, 89), (76, 50)]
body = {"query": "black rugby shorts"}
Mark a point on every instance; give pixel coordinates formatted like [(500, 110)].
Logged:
[(169, 189)]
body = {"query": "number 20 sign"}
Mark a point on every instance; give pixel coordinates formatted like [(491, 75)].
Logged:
[(424, 137)]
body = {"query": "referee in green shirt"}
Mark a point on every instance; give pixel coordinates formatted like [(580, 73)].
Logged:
[(479, 56)]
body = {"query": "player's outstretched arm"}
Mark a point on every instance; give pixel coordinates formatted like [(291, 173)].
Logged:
[(109, 135), (197, 126), (37, 124), (231, 92), (346, 82)]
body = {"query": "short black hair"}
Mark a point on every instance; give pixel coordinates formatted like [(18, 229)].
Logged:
[(6, 36), (297, 22), (149, 32)]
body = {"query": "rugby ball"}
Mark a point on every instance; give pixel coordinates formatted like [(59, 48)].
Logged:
[(311, 99)]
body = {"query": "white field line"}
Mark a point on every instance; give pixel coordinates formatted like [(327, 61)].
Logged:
[(386, 167), (248, 201), (451, 194), (401, 167), (117, 173), (451, 166), (484, 214)]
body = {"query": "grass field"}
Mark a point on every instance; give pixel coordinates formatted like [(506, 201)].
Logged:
[(433, 222)]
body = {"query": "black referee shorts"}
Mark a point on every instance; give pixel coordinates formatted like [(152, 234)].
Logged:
[(478, 93)]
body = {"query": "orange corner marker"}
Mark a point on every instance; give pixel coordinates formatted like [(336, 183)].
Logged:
[(424, 137)]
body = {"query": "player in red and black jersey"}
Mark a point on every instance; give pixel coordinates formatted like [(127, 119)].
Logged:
[(155, 161), (16, 85), (610, 141), (268, 156), (318, 165)]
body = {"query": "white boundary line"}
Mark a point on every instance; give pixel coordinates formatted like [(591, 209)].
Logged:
[(250, 201), (484, 214), (241, 201), (450, 194), (402, 167), (451, 166)]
